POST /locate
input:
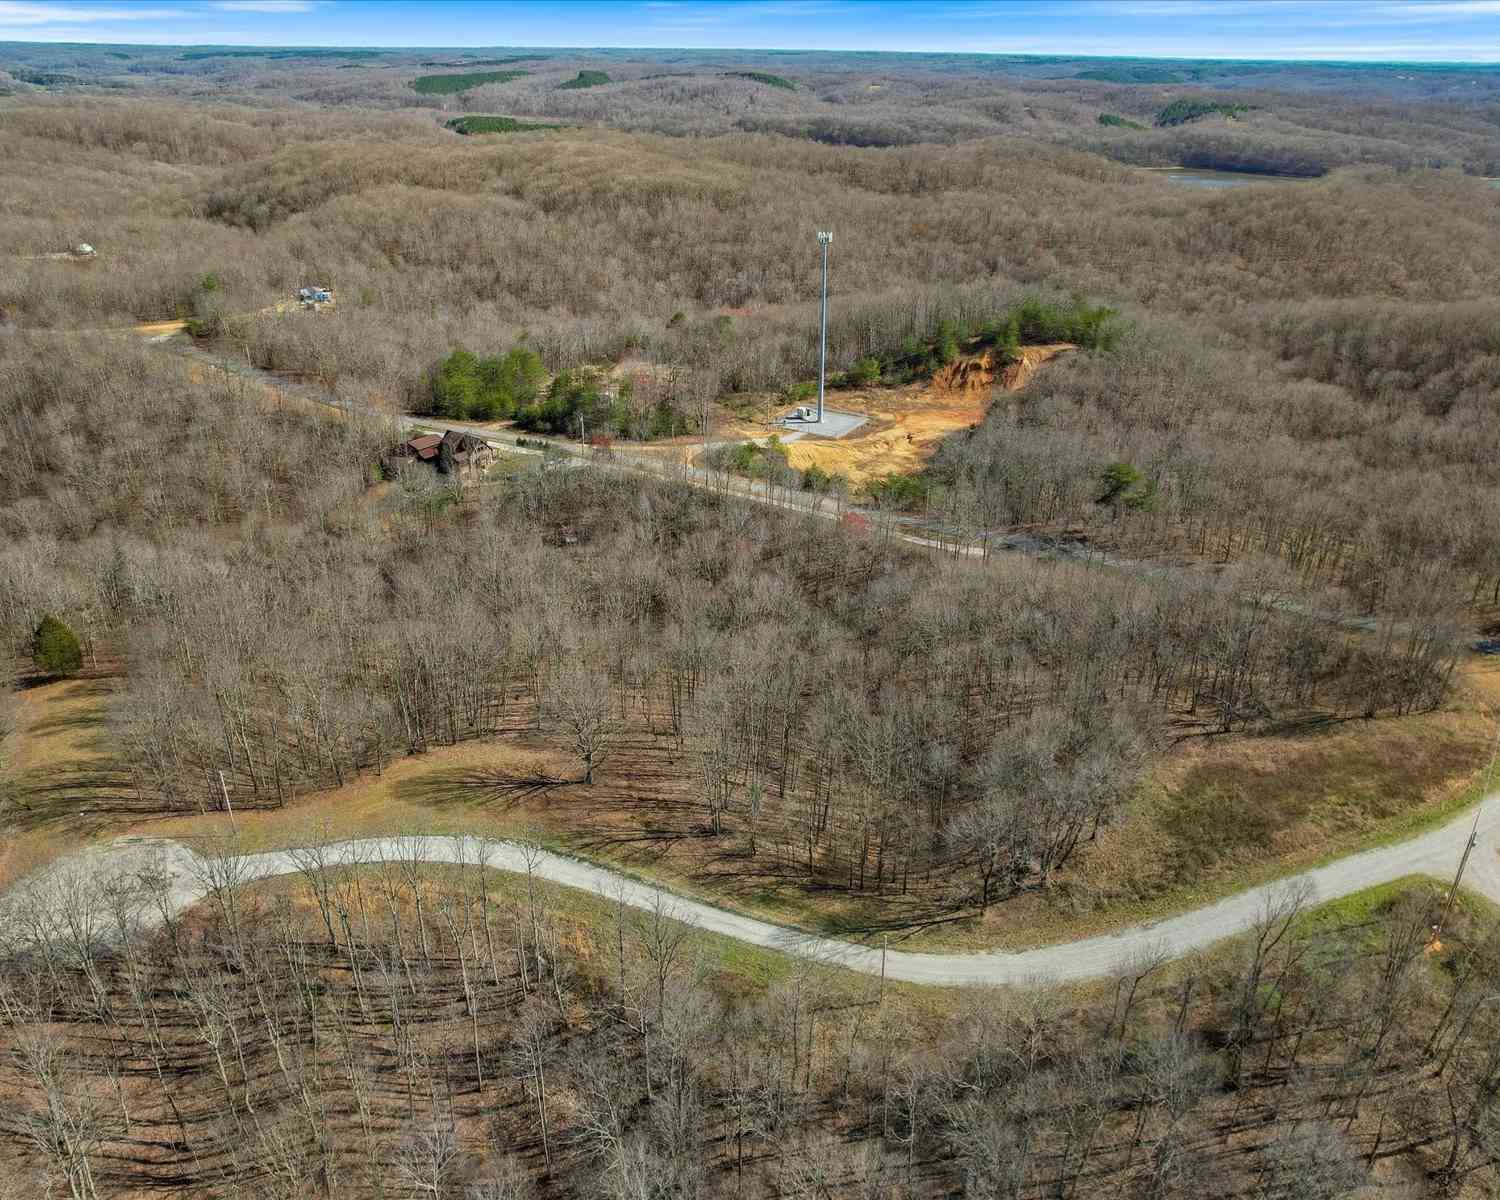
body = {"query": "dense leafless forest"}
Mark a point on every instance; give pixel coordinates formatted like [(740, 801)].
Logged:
[(378, 1030), (1272, 489), (1301, 119)]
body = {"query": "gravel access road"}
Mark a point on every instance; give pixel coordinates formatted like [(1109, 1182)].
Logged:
[(53, 898)]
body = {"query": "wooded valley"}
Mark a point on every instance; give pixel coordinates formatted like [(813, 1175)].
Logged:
[(1253, 510)]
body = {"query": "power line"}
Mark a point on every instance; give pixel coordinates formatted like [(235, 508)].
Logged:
[(1489, 782)]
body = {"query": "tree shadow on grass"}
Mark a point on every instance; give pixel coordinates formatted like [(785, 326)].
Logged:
[(82, 798), (713, 864), (1293, 726), (783, 889), (76, 784), (904, 921), (476, 788), (79, 721), (86, 684), (1306, 724), (632, 847)]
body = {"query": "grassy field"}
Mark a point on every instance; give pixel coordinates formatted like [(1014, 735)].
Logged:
[(585, 79), (480, 124), (1221, 815), (765, 77), (64, 786), (451, 85)]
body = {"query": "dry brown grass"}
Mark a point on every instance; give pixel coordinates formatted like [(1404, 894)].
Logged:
[(496, 788), (1218, 814), (1221, 808), (62, 771), (1223, 813)]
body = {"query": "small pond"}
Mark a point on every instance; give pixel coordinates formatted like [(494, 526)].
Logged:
[(1193, 177)]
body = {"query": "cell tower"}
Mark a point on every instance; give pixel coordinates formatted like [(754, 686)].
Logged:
[(823, 240)]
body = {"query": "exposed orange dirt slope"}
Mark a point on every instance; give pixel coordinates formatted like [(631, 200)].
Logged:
[(906, 423)]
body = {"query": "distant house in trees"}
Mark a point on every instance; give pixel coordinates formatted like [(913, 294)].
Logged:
[(451, 453)]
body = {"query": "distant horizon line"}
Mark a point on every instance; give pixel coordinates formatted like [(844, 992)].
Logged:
[(1033, 55)]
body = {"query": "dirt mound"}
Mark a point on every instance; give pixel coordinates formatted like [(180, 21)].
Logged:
[(1017, 374), (978, 374), (967, 375)]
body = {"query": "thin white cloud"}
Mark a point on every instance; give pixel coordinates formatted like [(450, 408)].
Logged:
[(1441, 8), (264, 6), (798, 8), (1185, 8), (752, 10), (135, 36), (13, 13), (688, 22)]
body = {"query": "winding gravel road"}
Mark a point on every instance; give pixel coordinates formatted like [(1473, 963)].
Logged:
[(53, 897), (52, 900)]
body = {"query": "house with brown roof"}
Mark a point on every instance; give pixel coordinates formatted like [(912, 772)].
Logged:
[(452, 453), (424, 448)]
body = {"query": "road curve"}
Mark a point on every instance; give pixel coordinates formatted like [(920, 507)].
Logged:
[(42, 901)]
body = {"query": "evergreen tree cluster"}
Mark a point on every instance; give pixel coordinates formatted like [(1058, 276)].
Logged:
[(1033, 321), (55, 649), (467, 387)]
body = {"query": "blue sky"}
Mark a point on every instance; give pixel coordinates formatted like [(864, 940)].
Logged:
[(1417, 30)]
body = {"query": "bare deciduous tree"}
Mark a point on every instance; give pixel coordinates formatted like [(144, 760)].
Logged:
[(580, 700)]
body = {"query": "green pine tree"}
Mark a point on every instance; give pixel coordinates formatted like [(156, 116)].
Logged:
[(947, 342), (55, 649)]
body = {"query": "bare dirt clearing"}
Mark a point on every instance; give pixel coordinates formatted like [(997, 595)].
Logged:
[(907, 423), (153, 329)]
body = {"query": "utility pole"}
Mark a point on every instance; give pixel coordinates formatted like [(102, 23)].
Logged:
[(707, 466), (823, 240), (1463, 862), (1489, 782), (229, 808)]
